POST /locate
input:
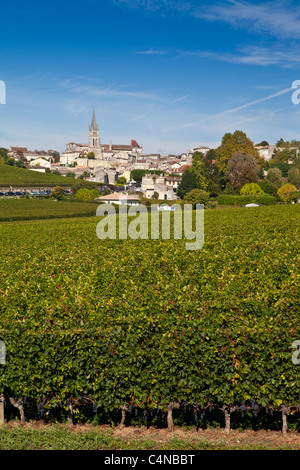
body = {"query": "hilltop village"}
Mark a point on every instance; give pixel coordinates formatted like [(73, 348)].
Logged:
[(214, 170)]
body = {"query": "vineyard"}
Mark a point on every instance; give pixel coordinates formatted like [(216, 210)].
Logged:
[(20, 177), (33, 209), (144, 329)]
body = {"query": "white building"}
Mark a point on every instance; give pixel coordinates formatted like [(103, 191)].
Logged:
[(164, 187), (200, 148), (266, 151), (40, 161)]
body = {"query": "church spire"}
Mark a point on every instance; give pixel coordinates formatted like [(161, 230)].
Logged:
[(94, 125), (94, 138)]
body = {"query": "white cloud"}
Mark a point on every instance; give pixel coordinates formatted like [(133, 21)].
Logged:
[(152, 51), (278, 19), (253, 55)]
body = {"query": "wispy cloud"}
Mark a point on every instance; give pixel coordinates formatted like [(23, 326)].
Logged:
[(252, 55), (78, 89), (279, 19), (152, 52), (206, 118), (157, 5)]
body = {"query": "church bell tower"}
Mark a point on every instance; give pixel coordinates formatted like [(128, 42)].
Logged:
[(94, 139)]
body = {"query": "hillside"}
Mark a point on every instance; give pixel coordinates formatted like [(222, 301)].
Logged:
[(33, 209), (18, 177)]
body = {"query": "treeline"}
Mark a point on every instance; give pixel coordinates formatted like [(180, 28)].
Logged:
[(236, 162)]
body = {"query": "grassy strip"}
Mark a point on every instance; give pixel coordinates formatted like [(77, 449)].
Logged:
[(60, 437)]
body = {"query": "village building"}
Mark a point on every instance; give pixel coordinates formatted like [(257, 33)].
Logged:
[(120, 199), (266, 151), (160, 186)]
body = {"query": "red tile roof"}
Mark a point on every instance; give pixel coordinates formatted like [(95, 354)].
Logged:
[(19, 149)]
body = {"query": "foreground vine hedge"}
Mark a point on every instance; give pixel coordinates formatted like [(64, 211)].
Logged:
[(148, 324)]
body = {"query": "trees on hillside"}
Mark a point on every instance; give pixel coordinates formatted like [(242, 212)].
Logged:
[(196, 196), (188, 182), (274, 176), (137, 174), (251, 188), (268, 187), (87, 194), (288, 193), (203, 174), (232, 143), (198, 168), (57, 193), (242, 169), (294, 177)]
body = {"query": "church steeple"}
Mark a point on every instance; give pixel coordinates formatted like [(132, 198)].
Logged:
[(94, 126), (94, 138)]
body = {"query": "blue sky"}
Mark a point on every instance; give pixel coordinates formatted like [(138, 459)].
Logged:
[(170, 74)]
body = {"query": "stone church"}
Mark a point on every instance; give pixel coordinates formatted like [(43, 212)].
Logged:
[(103, 155)]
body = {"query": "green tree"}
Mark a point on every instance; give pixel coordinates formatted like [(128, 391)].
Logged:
[(268, 187), (216, 181), (288, 193), (20, 164), (4, 153), (87, 194), (198, 168), (91, 155), (251, 188), (211, 155), (282, 156), (57, 193), (280, 143), (232, 143), (274, 176), (188, 182), (294, 176), (196, 196), (137, 175), (229, 189), (85, 174), (81, 183), (122, 180), (10, 162), (264, 143)]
